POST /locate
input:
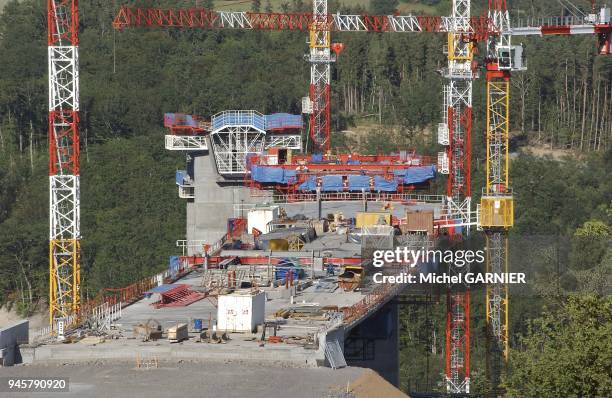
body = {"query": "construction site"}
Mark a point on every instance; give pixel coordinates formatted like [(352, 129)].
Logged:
[(275, 269)]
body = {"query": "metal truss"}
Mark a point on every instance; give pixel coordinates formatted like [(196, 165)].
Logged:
[(64, 195), (496, 306), (458, 362), (63, 77), (283, 141), (592, 24), (459, 122), (498, 107), (232, 144), (455, 215), (497, 200), (497, 294), (200, 18), (186, 142), (458, 113), (320, 59)]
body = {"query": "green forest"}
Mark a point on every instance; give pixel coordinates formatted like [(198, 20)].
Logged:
[(386, 94)]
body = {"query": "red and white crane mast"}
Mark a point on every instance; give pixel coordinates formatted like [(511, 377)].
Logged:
[(456, 132), (64, 211), (320, 59)]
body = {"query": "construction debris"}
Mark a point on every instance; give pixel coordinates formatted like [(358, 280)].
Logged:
[(178, 333), (306, 312), (350, 279), (151, 330)]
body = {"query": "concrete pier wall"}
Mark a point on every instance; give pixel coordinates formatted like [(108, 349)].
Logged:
[(374, 343), (10, 338)]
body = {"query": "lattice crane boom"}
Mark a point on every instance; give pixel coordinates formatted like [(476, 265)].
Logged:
[(201, 18)]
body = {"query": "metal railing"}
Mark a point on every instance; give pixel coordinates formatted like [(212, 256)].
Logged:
[(549, 21), (185, 142), (358, 196), (203, 247), (186, 191), (238, 118)]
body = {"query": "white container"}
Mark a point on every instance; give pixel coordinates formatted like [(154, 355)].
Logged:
[(241, 312), (260, 217)]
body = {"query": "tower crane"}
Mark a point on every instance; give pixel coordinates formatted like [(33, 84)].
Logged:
[(497, 202), (456, 132)]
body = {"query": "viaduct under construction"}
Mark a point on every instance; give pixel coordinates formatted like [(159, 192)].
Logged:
[(280, 229)]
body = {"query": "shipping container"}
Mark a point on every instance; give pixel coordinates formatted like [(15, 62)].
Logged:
[(260, 217), (419, 221), (241, 312)]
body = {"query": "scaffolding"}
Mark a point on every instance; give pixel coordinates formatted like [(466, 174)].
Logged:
[(186, 142), (236, 135)]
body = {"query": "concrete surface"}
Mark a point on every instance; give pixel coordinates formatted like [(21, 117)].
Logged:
[(186, 379)]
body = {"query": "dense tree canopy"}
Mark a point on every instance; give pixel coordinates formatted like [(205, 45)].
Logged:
[(566, 353)]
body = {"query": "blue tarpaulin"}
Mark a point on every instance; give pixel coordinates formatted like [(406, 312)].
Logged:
[(281, 270), (278, 121), (180, 176), (357, 183), (331, 183), (289, 176), (380, 184), (174, 265), (268, 174), (161, 289), (275, 121), (282, 273), (417, 175), (309, 185)]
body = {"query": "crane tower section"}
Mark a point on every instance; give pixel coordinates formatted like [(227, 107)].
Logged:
[(455, 131), (64, 232), (496, 203), (320, 59)]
